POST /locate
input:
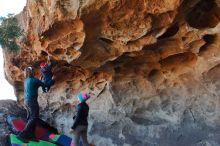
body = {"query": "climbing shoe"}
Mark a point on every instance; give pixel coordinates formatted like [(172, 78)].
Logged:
[(25, 140)]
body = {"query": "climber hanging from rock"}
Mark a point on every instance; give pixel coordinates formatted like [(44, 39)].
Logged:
[(80, 125), (31, 85), (47, 74)]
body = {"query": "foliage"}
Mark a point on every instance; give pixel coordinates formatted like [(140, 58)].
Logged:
[(9, 32)]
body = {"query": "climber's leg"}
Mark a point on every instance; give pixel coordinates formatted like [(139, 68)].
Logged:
[(84, 130), (46, 126), (29, 130), (76, 136)]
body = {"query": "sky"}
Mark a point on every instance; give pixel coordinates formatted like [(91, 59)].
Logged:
[(6, 7), (11, 6)]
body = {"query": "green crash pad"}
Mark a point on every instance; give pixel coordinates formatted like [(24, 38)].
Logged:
[(16, 142)]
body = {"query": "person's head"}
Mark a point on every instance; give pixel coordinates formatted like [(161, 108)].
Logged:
[(83, 96), (29, 71), (43, 64)]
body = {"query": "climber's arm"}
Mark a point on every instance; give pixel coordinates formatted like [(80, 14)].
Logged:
[(42, 84)]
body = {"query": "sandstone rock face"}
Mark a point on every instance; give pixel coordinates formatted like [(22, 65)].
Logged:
[(153, 66)]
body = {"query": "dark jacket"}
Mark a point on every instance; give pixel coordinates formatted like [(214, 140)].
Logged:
[(31, 85), (47, 73), (81, 117)]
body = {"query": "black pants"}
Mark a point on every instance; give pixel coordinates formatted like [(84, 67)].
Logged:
[(32, 118), (81, 133)]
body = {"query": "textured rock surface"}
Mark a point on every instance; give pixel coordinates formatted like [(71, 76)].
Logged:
[(153, 66)]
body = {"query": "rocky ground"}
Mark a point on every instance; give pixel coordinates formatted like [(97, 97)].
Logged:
[(8, 107)]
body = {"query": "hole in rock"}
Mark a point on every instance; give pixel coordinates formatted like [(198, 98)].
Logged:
[(204, 15), (203, 49), (108, 41), (67, 65), (96, 73), (16, 61), (170, 32), (153, 72), (68, 53), (43, 53), (208, 38), (56, 27), (58, 51), (117, 69)]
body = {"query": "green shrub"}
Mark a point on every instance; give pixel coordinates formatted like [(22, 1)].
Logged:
[(9, 32)]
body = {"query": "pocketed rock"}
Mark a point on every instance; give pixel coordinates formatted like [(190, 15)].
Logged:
[(152, 66)]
